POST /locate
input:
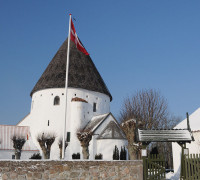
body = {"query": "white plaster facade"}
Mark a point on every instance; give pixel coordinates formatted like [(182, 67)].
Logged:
[(194, 146), (7, 154), (6, 144), (105, 146), (49, 118)]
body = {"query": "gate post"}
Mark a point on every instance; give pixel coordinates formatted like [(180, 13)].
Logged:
[(182, 174), (144, 157)]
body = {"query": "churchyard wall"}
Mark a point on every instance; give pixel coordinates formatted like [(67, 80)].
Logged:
[(79, 170)]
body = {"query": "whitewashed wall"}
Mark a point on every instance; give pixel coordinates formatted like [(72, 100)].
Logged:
[(194, 148), (42, 110), (105, 146), (7, 154)]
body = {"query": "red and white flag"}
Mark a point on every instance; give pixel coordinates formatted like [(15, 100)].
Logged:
[(76, 40)]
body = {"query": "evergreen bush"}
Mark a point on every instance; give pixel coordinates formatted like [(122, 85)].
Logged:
[(154, 150), (99, 156), (76, 156), (116, 153), (123, 153), (36, 156)]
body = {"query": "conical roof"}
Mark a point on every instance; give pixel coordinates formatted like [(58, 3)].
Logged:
[(82, 72)]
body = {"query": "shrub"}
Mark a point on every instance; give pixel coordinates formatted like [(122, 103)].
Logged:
[(76, 156), (36, 156), (99, 156), (116, 153), (123, 153), (154, 150)]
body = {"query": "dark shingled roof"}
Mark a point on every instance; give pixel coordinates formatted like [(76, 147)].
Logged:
[(82, 72)]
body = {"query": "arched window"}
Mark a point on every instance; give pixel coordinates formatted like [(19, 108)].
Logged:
[(56, 100)]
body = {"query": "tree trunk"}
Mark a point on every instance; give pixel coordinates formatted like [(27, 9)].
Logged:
[(132, 152), (60, 153), (17, 154), (48, 153), (44, 152), (85, 152)]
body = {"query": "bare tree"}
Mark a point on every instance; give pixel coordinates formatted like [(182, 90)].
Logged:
[(84, 138), (60, 144), (45, 142), (150, 109), (18, 143), (147, 106)]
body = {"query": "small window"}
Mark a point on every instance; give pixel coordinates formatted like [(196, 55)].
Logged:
[(48, 123), (94, 107), (56, 101), (68, 136)]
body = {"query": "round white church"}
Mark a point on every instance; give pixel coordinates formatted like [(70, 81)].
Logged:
[(88, 106)]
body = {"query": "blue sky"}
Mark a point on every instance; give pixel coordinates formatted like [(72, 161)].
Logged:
[(135, 44)]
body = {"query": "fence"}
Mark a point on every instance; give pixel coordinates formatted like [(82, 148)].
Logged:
[(191, 167), (154, 167)]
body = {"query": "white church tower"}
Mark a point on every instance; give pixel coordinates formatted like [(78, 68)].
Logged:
[(88, 105)]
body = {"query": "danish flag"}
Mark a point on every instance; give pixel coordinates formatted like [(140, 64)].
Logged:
[(76, 40)]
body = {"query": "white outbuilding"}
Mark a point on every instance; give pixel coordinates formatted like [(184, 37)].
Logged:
[(88, 106), (194, 146), (7, 150)]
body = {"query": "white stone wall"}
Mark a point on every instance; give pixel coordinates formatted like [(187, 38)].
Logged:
[(43, 110)]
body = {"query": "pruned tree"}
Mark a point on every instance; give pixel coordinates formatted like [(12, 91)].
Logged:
[(84, 137), (150, 108), (60, 144), (128, 127), (18, 143), (45, 141)]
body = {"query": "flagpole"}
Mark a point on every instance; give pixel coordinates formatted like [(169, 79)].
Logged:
[(66, 89)]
